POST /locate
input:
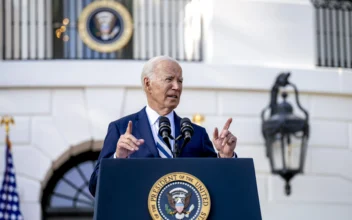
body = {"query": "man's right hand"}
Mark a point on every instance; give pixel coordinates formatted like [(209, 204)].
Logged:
[(127, 143)]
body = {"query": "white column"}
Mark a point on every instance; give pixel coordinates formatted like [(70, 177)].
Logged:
[(173, 28), (342, 30), (136, 26), (157, 28), (328, 37), (1, 29), (40, 32), (32, 29), (49, 30), (8, 29), (197, 30), (192, 30), (322, 37), (347, 38), (334, 37), (166, 38), (180, 28), (150, 22), (24, 29), (143, 29), (16, 29)]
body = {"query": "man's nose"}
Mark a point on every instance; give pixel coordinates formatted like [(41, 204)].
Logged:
[(176, 85)]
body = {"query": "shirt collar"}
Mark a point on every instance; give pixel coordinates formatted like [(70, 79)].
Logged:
[(153, 116)]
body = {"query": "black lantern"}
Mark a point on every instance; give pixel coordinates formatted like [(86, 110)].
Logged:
[(285, 134)]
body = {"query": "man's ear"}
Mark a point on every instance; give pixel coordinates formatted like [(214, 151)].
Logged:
[(147, 83)]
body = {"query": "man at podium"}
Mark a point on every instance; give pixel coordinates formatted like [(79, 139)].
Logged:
[(150, 132)]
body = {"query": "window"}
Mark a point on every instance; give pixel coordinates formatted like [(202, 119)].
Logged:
[(66, 195)]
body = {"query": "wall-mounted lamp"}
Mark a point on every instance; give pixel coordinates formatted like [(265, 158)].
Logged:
[(286, 135)]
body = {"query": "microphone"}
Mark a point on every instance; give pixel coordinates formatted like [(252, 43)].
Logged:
[(186, 130), (165, 130)]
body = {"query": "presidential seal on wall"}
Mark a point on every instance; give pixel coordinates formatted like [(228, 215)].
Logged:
[(179, 196), (105, 26)]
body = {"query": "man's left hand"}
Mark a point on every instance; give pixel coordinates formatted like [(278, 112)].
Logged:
[(225, 144)]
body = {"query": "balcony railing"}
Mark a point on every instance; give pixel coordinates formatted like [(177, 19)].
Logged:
[(49, 29), (333, 20)]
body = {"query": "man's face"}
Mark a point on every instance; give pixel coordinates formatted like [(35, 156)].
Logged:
[(165, 88)]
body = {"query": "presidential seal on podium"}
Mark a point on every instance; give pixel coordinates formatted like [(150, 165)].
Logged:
[(105, 26), (179, 196)]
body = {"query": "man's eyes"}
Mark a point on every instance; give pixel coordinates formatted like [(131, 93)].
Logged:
[(170, 79)]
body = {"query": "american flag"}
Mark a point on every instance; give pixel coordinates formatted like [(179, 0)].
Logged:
[(9, 199)]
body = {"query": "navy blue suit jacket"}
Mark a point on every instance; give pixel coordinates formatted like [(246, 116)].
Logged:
[(199, 146)]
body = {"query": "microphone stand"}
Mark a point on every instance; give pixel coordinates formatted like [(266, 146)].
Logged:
[(183, 145), (176, 152)]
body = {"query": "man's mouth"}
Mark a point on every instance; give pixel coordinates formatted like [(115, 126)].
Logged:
[(172, 96)]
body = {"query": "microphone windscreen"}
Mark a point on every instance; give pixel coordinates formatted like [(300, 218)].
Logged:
[(164, 119), (164, 126), (185, 120), (186, 126)]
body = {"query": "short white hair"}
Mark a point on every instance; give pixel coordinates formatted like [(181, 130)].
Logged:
[(149, 66)]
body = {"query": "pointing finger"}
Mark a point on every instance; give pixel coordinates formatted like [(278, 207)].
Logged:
[(227, 124), (129, 128)]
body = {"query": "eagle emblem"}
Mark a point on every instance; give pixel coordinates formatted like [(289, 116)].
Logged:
[(105, 22), (179, 200), (179, 195), (105, 26)]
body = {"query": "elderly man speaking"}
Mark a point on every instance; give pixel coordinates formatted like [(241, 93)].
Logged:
[(136, 135)]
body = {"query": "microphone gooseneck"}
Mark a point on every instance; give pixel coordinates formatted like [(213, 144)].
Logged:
[(186, 131), (165, 130)]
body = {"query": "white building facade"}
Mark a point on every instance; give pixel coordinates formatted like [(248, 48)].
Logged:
[(60, 105)]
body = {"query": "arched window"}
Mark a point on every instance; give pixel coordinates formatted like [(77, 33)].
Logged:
[(66, 195)]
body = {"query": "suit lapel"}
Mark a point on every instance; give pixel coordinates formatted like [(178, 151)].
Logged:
[(143, 128)]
